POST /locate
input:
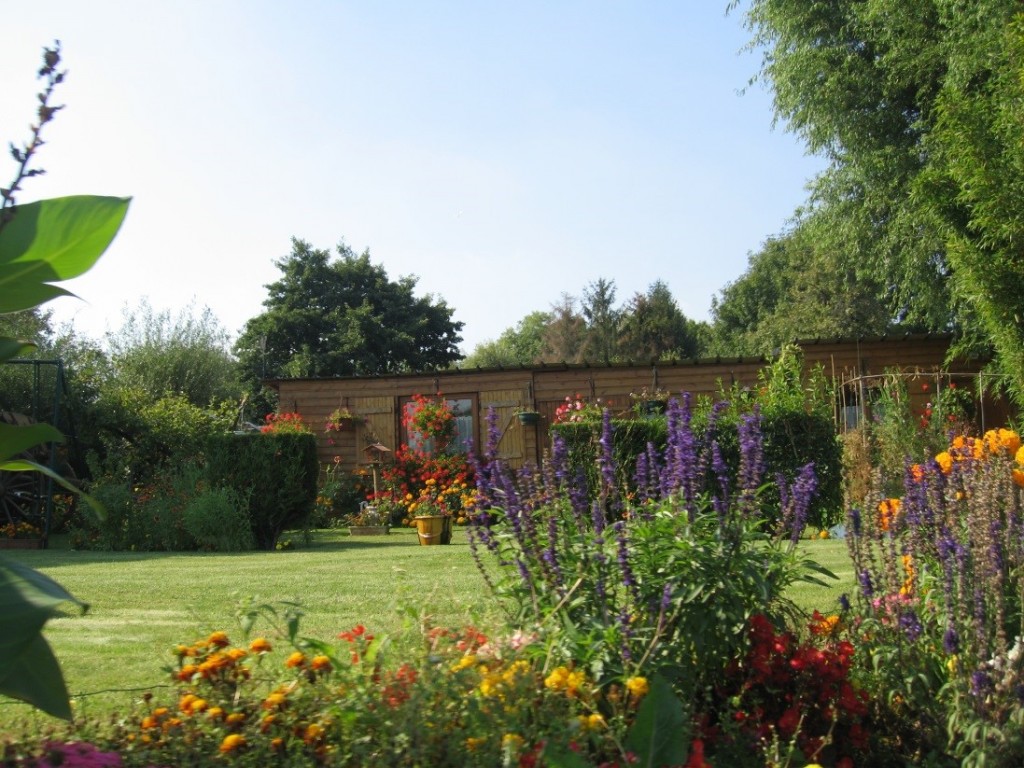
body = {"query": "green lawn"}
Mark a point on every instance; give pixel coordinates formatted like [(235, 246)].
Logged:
[(142, 604)]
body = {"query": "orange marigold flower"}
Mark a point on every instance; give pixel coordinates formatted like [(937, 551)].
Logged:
[(186, 672), (236, 718), (888, 512), (297, 659), (218, 639), (149, 722), (260, 645), (276, 745), (313, 732), (274, 700), (232, 742), (215, 713), (320, 664), (1018, 477)]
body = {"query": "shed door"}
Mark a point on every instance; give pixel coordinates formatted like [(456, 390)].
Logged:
[(511, 446), (379, 413)]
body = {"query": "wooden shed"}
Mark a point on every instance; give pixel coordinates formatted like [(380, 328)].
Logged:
[(378, 401)]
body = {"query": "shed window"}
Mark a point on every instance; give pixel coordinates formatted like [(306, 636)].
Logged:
[(463, 408)]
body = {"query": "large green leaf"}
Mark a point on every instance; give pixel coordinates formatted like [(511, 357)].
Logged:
[(21, 287), (60, 238), (15, 439), (658, 735), (27, 599), (11, 348), (34, 676)]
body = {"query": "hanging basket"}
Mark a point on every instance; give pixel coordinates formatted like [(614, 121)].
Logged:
[(528, 418)]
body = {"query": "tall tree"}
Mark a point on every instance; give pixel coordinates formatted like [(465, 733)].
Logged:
[(654, 328), (345, 317), (916, 105), (795, 289), (565, 333), (519, 345), (184, 354), (598, 308)]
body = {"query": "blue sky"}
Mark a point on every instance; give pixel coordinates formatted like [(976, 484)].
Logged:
[(504, 153)]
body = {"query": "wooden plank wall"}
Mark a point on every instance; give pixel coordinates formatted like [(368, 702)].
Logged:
[(544, 388)]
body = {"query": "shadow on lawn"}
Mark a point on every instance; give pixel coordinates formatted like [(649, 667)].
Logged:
[(327, 541)]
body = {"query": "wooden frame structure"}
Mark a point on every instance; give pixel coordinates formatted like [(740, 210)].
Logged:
[(377, 401)]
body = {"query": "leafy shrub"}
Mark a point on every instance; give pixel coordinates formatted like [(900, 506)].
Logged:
[(941, 573), (276, 472), (217, 519), (146, 516), (671, 587)]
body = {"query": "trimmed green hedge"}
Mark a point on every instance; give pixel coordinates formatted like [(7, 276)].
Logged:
[(277, 473), (791, 440)]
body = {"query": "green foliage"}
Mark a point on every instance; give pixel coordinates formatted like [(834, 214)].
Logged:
[(28, 668), (40, 244), (654, 328), (917, 108), (630, 438), (794, 288), (344, 317), (185, 355), (276, 472), (139, 436), (520, 345), (217, 518)]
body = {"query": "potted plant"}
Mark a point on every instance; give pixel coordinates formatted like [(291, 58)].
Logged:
[(528, 417), (431, 419), (577, 409), (341, 419), (649, 402), (20, 535), (431, 516), (372, 520)]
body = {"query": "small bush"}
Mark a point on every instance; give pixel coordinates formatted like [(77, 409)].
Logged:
[(218, 520), (277, 472)]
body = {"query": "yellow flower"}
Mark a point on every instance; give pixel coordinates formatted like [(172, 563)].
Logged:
[(574, 682), (474, 742), (313, 733), (556, 681), (945, 462), (638, 686), (297, 659), (512, 741), (232, 742), (236, 718), (467, 660)]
